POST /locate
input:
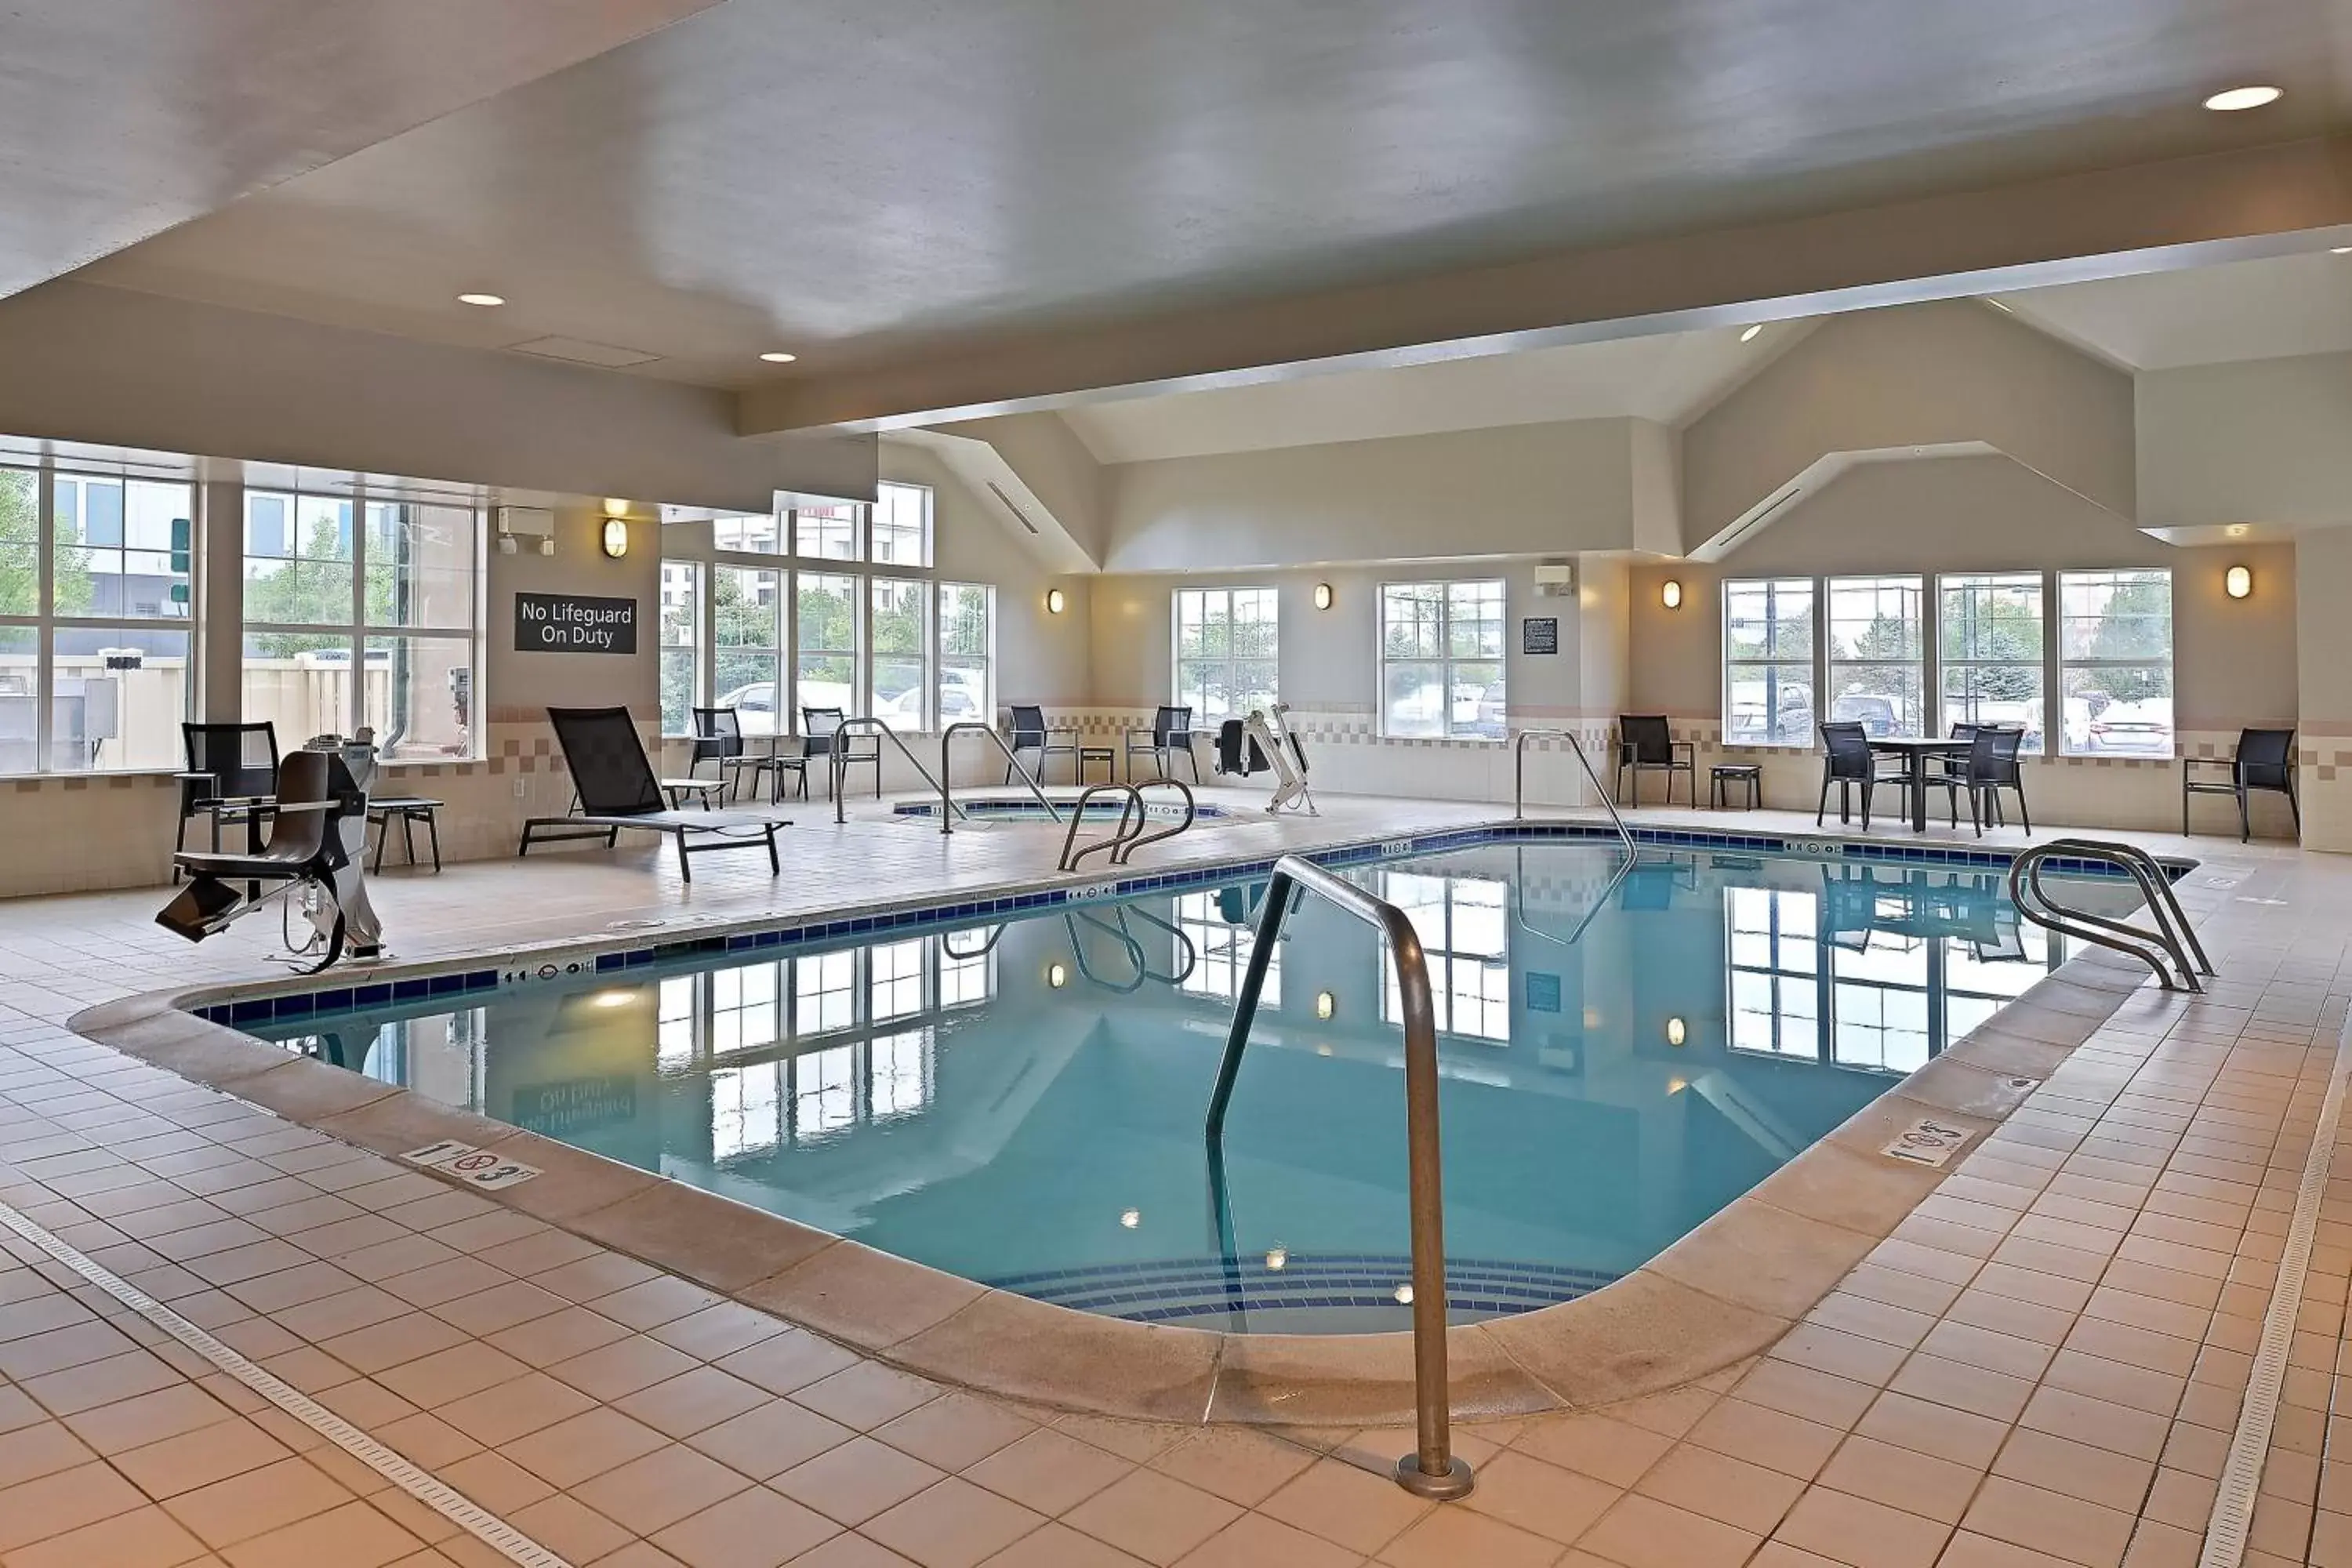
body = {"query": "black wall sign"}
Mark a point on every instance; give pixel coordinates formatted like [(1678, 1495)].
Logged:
[(1540, 636), (574, 623)]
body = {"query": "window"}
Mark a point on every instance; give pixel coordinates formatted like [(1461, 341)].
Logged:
[(827, 531), (1877, 654), (1228, 657), (747, 533), (1441, 659), (747, 642), (896, 635), (967, 967), (95, 663), (894, 979), (1221, 950), (901, 531), (825, 629), (362, 612), (967, 648), (681, 643), (1465, 938), (1989, 643), (1774, 972), (2114, 650), (1767, 662), (825, 992)]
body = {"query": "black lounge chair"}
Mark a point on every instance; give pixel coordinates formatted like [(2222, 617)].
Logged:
[(617, 789)]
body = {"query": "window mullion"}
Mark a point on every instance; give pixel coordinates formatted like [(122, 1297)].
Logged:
[(45, 536)]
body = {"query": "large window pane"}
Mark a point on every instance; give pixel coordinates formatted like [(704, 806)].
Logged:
[(824, 631), (2115, 653), (123, 547), (1877, 652), (1228, 651), (1767, 662), (967, 645), (756, 533), (747, 634), (118, 699), (897, 636), (297, 559), (20, 543), (681, 640), (418, 694), (1441, 659), (902, 526), (1990, 646), (826, 532), (421, 567)]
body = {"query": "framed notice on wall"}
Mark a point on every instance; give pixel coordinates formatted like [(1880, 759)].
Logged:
[(1539, 635), (574, 623)]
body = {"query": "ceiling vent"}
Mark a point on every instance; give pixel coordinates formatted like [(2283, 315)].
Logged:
[(1018, 515), (580, 350)]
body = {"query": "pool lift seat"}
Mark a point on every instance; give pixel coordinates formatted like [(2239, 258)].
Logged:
[(1264, 743), (315, 857)]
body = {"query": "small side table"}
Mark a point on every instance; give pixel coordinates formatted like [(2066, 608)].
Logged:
[(703, 790), (1107, 755), (1722, 778), (410, 810)]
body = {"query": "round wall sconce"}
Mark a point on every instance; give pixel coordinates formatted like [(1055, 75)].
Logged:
[(617, 537), (1325, 1004), (1322, 596), (2238, 582), (1056, 977), (1055, 602), (1675, 1033), (1671, 595)]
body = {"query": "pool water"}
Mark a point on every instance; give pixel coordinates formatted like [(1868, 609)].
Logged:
[(1022, 1104)]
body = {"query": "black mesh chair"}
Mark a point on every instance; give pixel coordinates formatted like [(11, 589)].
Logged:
[(617, 789), (1849, 761), (1992, 768), (1644, 744), (1032, 734), (819, 739), (1171, 732), (718, 738), (231, 777), (2264, 760)]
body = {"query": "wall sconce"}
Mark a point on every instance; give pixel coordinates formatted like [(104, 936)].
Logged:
[(2238, 582), (1055, 602), (1675, 1034), (1056, 977), (616, 536), (1326, 1004), (1322, 596), (1671, 595)]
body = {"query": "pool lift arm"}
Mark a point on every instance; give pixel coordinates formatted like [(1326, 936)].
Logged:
[(1264, 743)]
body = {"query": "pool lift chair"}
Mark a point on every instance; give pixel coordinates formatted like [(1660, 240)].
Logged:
[(1262, 744), (314, 861)]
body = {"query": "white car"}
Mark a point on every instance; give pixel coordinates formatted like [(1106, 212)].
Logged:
[(2142, 729)]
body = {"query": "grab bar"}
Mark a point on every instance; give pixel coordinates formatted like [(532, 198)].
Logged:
[(2173, 939), (867, 725), (1520, 780), (1188, 955), (1518, 901), (1126, 852), (1126, 938), (1130, 823), (947, 810), (995, 936), (1432, 1470)]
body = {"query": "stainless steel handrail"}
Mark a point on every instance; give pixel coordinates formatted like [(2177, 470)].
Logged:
[(1126, 852), (1070, 918), (1187, 955), (995, 936), (1433, 1469), (1518, 901), (1520, 780), (947, 772), (837, 761), (1130, 822), (2173, 939)]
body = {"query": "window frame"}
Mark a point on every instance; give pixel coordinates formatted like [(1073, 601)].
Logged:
[(1993, 582), (2055, 638), (1917, 664), (1446, 661), (1815, 681), (1228, 666)]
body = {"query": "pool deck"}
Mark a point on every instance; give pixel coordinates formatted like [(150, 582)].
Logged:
[(2043, 1361)]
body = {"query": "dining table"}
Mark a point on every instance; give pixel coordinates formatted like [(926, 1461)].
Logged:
[(1915, 750)]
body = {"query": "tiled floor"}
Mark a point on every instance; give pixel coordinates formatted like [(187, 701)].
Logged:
[(2042, 1365)]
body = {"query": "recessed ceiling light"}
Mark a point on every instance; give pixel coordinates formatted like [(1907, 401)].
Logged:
[(1749, 336), (485, 299), (2231, 99), (773, 358)]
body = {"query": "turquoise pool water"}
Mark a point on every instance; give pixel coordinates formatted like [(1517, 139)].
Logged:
[(1022, 1102)]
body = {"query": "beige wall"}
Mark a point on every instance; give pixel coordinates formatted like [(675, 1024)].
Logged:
[(2260, 441)]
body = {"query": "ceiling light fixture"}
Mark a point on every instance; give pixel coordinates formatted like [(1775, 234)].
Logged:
[(775, 356), (2228, 100), (1749, 336), (484, 301)]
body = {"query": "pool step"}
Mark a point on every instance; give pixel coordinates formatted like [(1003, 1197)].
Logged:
[(1179, 1287)]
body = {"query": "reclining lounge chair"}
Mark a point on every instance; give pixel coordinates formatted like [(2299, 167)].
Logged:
[(617, 789)]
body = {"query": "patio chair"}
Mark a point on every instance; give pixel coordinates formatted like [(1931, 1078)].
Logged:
[(232, 776), (1849, 761), (2264, 760), (1171, 732), (718, 737), (1645, 744), (617, 790), (1992, 768), (1032, 734), (818, 738)]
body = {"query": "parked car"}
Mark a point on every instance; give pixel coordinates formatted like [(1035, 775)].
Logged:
[(1874, 713), (2142, 729), (1490, 720)]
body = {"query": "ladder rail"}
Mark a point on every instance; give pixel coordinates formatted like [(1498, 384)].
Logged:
[(837, 760), (1126, 852), (948, 811), (2163, 949), (1519, 781), (2153, 879), (1130, 823)]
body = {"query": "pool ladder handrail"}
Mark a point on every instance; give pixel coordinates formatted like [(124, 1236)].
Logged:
[(1188, 955), (1133, 820), (837, 762), (2171, 949), (1519, 910), (1519, 781), (1432, 1470), (948, 808)]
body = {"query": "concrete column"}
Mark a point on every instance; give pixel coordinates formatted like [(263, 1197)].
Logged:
[(2323, 588), (220, 598)]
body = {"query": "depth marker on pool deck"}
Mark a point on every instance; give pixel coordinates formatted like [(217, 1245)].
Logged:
[(476, 1167)]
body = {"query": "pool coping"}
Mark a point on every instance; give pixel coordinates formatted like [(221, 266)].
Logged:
[(1725, 1291)]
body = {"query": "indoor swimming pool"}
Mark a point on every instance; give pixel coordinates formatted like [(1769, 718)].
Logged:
[(1021, 1102)]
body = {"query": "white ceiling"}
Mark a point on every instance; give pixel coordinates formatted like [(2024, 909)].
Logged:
[(1671, 377), (2160, 320), (864, 181)]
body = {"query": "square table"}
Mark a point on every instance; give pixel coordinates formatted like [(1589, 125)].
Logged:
[(1915, 750)]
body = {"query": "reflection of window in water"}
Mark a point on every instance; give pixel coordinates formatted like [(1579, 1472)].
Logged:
[(745, 1108), (1775, 971), (1878, 1000), (1976, 988), (825, 992), (1224, 949), (746, 1008), (1464, 931), (965, 982), (675, 1016), (824, 1092), (894, 979), (900, 1073)]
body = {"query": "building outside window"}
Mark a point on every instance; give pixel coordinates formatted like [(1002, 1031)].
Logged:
[(826, 530), (747, 646), (2114, 650), (748, 533), (901, 530), (1989, 645), (966, 654), (1767, 662), (681, 643), (1441, 659), (1877, 654), (1228, 651)]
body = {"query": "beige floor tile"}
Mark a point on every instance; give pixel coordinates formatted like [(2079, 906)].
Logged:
[(1601, 1446), (692, 1401), (657, 1490), (1961, 1437), (1152, 1516), (1903, 1479), (1448, 1536), (1255, 1540), (40, 1449), (954, 1524), (498, 1415), (198, 1459), (557, 1336), (2041, 1520), (353, 1536), (66, 1499), (1346, 1505), (865, 1395), (1700, 1480), (787, 1361), (149, 1418), (854, 1482), (611, 1370), (2075, 1469), (451, 1374), (765, 1442), (256, 1501), (1643, 1532), (718, 1331), (753, 1529), (1047, 1471), (568, 1527), (1051, 1546), (954, 1431), (501, 1306), (1539, 1498), (1867, 1534), (1771, 1438), (1239, 1464), (142, 1538), (495, 1481), (1800, 1391), (589, 1443), (1977, 1389)]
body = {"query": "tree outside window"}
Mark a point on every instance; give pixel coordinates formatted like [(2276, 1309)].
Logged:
[(1877, 653), (2116, 661), (1228, 651), (1990, 645)]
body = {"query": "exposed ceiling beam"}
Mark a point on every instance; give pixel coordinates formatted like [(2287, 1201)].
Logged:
[(2191, 212)]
